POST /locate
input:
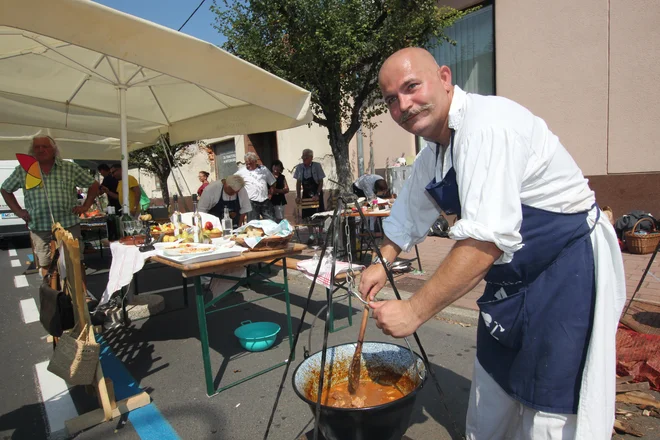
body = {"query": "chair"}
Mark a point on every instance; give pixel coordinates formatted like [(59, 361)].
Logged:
[(315, 226)]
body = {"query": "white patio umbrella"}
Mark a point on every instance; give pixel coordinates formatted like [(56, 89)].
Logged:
[(72, 145), (82, 67)]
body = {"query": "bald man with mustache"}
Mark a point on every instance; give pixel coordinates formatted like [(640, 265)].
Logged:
[(530, 227)]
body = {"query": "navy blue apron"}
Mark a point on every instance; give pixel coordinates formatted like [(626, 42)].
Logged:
[(234, 206), (310, 188), (445, 192), (537, 311)]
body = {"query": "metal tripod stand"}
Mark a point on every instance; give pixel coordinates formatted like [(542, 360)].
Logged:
[(342, 203)]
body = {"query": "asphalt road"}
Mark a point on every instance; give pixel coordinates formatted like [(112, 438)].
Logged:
[(162, 354)]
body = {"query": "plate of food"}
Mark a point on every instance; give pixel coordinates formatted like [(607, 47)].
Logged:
[(166, 229), (188, 249)]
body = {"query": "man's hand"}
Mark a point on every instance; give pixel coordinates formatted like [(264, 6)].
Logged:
[(80, 209), (315, 198), (298, 200), (372, 280), (232, 214), (24, 215), (395, 317)]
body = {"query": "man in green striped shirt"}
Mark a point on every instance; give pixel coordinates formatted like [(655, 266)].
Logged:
[(61, 179)]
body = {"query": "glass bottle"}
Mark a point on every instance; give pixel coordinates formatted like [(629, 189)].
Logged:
[(198, 226), (227, 223), (328, 259), (176, 215), (125, 217), (113, 224)]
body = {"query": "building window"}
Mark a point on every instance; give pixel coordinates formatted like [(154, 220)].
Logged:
[(472, 59)]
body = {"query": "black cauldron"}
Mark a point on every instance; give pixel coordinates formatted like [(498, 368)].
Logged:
[(382, 422)]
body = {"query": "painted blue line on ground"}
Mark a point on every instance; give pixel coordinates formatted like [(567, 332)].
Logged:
[(148, 421), (150, 424)]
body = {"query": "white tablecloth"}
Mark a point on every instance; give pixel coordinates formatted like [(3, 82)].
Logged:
[(308, 268), (127, 260)]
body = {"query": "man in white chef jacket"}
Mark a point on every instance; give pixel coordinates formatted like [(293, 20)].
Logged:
[(529, 226)]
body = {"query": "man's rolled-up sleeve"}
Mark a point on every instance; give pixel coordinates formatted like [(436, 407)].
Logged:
[(297, 172), (270, 179), (414, 210), (14, 181), (490, 167), (82, 178)]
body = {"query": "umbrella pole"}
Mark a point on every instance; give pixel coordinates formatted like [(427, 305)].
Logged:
[(122, 137)]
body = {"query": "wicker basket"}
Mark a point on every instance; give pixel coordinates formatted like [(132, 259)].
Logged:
[(75, 359), (157, 234), (642, 244), (268, 243)]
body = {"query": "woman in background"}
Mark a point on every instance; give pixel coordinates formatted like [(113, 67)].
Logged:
[(204, 178), (279, 190)]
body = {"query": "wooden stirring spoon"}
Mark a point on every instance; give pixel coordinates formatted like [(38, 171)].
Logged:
[(354, 371)]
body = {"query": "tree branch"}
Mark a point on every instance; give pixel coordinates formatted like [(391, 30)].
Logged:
[(355, 119), (322, 122)]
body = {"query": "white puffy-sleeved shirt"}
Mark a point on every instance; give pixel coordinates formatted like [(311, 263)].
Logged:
[(257, 182), (504, 157)]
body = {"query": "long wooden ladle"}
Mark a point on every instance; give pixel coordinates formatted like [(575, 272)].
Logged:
[(354, 371)]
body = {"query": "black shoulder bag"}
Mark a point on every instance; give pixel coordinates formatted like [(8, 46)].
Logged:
[(55, 306)]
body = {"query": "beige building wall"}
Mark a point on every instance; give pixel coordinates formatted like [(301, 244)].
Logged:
[(590, 68), (552, 57), (634, 128), (389, 142), (290, 144)]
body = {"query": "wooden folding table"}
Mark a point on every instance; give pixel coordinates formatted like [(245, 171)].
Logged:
[(207, 268)]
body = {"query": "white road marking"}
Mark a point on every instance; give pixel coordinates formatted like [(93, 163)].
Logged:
[(21, 281), (15, 263), (57, 400), (12, 252), (29, 310)]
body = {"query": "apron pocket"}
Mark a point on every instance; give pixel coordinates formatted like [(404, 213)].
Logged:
[(503, 315)]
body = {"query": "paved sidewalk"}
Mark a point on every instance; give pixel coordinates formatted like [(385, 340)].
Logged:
[(434, 250)]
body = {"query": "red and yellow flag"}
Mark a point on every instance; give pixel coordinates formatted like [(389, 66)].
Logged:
[(31, 167)]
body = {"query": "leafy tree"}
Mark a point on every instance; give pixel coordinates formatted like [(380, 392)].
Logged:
[(156, 160), (333, 48)]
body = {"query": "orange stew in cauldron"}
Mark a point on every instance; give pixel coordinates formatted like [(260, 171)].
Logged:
[(369, 393)]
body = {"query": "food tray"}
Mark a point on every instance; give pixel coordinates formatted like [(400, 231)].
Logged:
[(267, 243), (188, 249)]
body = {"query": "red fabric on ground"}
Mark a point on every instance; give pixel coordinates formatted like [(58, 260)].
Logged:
[(638, 355)]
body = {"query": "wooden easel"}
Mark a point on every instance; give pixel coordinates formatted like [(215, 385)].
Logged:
[(102, 386)]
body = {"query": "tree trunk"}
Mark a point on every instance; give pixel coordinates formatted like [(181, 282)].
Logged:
[(162, 178), (342, 159)]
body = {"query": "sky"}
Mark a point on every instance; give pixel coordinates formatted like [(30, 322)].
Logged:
[(172, 14)]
